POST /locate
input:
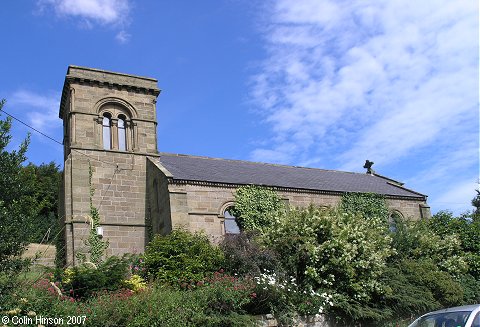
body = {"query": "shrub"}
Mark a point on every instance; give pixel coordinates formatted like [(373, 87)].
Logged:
[(159, 305), (471, 289), (223, 293), (333, 252), (245, 256), (181, 255), (135, 283), (86, 280), (466, 231), (415, 286)]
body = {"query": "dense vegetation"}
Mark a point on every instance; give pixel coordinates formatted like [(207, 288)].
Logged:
[(17, 208), (347, 262), (46, 181)]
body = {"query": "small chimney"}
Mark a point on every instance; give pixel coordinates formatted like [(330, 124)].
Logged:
[(368, 165)]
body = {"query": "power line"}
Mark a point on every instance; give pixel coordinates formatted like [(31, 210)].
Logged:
[(58, 142), (36, 130)]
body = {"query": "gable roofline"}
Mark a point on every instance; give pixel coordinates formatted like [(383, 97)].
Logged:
[(407, 189), (393, 181), (207, 181), (399, 184)]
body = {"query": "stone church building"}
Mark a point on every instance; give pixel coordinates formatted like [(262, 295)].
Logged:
[(110, 125)]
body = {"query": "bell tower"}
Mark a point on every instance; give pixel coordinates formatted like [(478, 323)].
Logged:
[(109, 127)]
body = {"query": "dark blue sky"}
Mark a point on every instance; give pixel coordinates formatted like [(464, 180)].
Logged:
[(315, 83)]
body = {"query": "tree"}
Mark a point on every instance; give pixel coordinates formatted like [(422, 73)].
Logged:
[(476, 204), (17, 207), (47, 180)]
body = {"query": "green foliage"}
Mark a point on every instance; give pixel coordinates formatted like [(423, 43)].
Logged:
[(467, 233), (255, 206), (224, 293), (471, 288), (158, 305), (279, 294), (135, 283), (245, 256), (46, 184), (17, 208), (366, 204), (436, 263), (96, 246), (476, 204), (419, 285), (421, 240), (181, 255), (332, 251), (86, 280)]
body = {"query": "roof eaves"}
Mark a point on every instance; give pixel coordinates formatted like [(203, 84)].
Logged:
[(172, 180)]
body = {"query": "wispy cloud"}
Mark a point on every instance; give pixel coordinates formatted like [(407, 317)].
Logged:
[(122, 37), (345, 81), (41, 110), (113, 13), (453, 198)]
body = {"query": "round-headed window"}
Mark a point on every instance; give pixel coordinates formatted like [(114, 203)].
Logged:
[(122, 135), (107, 131), (231, 226)]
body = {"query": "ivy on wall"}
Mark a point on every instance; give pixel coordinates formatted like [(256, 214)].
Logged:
[(365, 204), (255, 206), (96, 246)]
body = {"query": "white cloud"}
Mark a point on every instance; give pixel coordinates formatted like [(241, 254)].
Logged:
[(457, 198), (114, 13), (40, 110), (122, 37), (385, 80), (278, 155), (100, 11)]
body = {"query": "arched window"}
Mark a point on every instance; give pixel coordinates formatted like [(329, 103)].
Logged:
[(393, 220), (231, 226), (107, 131), (122, 135), (118, 132)]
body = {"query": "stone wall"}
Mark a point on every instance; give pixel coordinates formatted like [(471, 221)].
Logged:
[(311, 321), (82, 119), (119, 181), (158, 199), (41, 254), (132, 191), (119, 178), (201, 207)]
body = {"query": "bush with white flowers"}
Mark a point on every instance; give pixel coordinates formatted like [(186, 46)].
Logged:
[(332, 252)]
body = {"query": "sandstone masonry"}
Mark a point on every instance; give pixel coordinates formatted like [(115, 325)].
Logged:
[(110, 125)]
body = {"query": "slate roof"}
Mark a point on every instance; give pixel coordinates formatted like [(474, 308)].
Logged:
[(203, 169)]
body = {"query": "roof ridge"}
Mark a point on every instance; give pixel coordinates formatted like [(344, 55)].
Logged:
[(261, 163), (234, 171)]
